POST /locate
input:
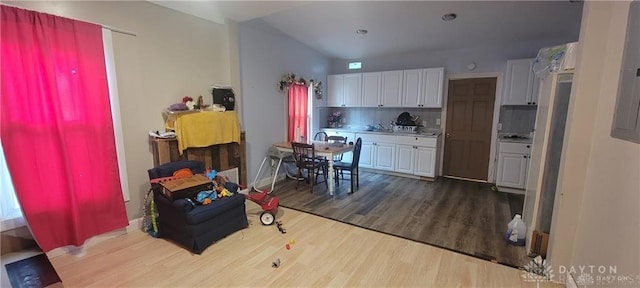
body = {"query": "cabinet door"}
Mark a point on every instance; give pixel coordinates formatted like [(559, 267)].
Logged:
[(405, 159), (425, 161), (391, 89), (433, 82), (334, 90), (352, 90), (384, 156), (512, 170), (412, 90), (519, 82), (535, 90), (366, 155), (371, 89)]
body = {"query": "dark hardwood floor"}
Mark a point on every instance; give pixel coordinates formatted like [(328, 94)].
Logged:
[(458, 215)]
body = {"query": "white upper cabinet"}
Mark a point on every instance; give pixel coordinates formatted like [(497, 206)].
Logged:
[(334, 90), (344, 90), (371, 89), (418, 88), (521, 86), (412, 88), (391, 89), (423, 88), (352, 90), (433, 81)]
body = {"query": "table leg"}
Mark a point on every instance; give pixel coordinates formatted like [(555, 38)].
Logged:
[(330, 180)]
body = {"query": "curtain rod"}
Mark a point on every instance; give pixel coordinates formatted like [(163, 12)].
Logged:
[(113, 29), (118, 30)]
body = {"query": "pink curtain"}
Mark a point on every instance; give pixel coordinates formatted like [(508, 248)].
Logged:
[(298, 102), (56, 127)]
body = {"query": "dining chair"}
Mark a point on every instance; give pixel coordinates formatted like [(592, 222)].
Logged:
[(339, 167), (338, 141), (305, 156), (320, 136)]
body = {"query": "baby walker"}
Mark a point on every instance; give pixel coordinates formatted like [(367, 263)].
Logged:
[(261, 197)]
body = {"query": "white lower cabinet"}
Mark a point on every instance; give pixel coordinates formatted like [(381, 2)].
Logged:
[(416, 155), (425, 161), (378, 151), (385, 155), (406, 158), (513, 160)]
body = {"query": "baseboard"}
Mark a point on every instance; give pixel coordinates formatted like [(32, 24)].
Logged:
[(510, 190), (79, 251), (393, 173)]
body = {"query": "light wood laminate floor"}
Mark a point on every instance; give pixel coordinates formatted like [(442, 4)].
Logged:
[(326, 253), (454, 214)]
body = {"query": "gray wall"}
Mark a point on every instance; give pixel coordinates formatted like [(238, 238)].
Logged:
[(488, 58), (266, 55)]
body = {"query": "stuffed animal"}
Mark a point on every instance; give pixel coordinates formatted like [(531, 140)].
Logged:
[(206, 197), (223, 192)]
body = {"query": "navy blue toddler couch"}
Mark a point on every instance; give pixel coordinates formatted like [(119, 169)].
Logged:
[(196, 227)]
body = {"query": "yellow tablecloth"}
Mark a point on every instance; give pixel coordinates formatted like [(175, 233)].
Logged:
[(206, 128)]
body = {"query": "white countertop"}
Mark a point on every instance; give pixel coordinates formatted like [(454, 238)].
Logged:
[(427, 133)]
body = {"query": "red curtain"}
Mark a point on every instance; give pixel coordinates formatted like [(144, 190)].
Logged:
[(56, 127), (298, 102)]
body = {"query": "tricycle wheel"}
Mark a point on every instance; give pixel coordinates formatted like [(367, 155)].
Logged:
[(267, 218)]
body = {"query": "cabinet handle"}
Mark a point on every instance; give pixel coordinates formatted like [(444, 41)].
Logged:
[(528, 146), (525, 156), (533, 103), (528, 103)]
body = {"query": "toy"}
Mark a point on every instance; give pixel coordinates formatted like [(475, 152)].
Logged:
[(280, 228), (206, 197)]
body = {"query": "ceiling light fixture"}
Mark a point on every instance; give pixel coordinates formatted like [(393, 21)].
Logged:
[(449, 16), (361, 31)]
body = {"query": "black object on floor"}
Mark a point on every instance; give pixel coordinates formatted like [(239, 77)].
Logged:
[(34, 271)]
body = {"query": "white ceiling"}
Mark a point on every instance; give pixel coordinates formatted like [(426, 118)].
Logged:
[(397, 26)]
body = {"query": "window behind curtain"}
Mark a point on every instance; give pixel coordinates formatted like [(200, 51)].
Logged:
[(10, 213)]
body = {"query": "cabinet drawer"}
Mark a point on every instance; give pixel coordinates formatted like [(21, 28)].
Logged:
[(377, 138), (522, 148), (417, 141)]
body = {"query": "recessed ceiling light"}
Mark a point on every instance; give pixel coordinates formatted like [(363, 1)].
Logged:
[(361, 31), (449, 16)]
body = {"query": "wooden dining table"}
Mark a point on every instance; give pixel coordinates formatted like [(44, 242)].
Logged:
[(322, 149)]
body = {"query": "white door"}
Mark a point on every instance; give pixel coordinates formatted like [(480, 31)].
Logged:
[(391, 89), (405, 159), (371, 89), (352, 90), (512, 170), (538, 154), (334, 90), (425, 161), (412, 91), (366, 155), (433, 86), (384, 156)]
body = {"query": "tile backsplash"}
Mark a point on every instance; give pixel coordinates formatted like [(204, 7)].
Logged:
[(517, 119), (362, 116)]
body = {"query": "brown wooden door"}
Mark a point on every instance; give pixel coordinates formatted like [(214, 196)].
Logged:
[(468, 131)]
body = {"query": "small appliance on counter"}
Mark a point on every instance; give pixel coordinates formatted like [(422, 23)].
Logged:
[(223, 96)]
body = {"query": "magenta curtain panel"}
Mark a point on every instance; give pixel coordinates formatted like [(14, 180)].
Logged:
[(56, 127), (298, 102)]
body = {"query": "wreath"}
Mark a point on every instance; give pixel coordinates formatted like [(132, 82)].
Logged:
[(289, 79)]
